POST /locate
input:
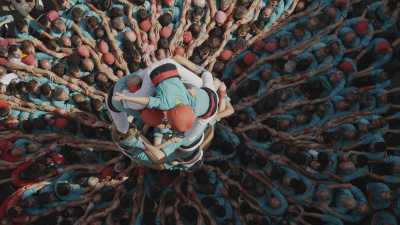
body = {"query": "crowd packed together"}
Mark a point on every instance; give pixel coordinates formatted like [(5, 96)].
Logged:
[(313, 84)]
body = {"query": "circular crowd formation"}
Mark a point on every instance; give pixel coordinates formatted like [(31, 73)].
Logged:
[(314, 138)]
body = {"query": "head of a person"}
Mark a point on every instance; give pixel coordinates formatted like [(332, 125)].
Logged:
[(349, 37), (165, 19), (87, 65), (59, 94), (76, 41), (77, 14), (59, 25), (63, 188), (46, 90), (118, 23)]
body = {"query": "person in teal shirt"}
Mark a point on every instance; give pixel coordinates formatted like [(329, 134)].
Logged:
[(379, 195)]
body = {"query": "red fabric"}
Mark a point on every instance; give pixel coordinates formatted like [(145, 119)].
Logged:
[(258, 45), (7, 156), (4, 104), (181, 118), (29, 60), (340, 3), (58, 158), (107, 172), (3, 61), (15, 175), (4, 42), (226, 55), (134, 87), (152, 117), (362, 28), (11, 201), (346, 66), (61, 123), (164, 75), (5, 145), (249, 58), (383, 47), (271, 46)]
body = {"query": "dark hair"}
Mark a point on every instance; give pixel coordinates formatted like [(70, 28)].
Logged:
[(195, 29), (142, 14), (20, 23), (76, 13), (89, 79), (59, 68), (187, 212), (217, 32), (163, 43), (378, 147), (45, 89), (116, 12), (165, 19), (233, 192), (63, 188), (220, 211), (298, 186), (27, 126), (99, 33), (12, 212), (198, 11), (148, 218), (96, 104)]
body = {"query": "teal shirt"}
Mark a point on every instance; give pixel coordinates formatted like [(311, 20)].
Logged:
[(200, 102), (169, 94)]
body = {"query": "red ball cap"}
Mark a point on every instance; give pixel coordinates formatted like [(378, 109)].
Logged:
[(83, 51), (361, 28), (181, 118), (383, 47), (341, 3), (4, 145), (346, 66), (52, 15), (152, 117), (258, 45), (103, 47), (187, 37), (29, 60), (179, 51), (61, 123), (4, 104), (271, 46), (226, 55), (145, 25), (109, 58), (166, 32), (57, 158), (249, 58), (168, 2)]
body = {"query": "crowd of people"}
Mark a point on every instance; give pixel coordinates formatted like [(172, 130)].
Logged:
[(313, 140)]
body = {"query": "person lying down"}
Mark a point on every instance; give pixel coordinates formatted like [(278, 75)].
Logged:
[(176, 107)]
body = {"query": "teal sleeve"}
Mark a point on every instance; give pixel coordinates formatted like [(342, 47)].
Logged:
[(154, 102), (35, 26)]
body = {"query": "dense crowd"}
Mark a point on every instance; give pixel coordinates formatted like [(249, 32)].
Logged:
[(314, 138)]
